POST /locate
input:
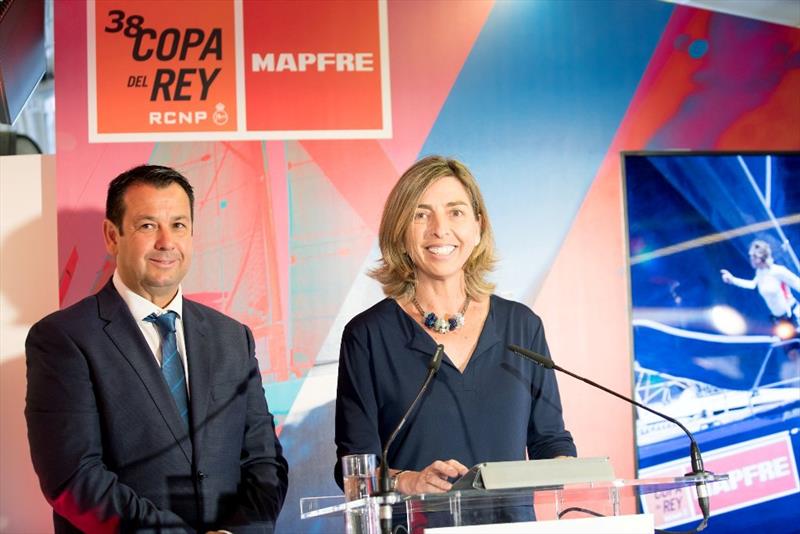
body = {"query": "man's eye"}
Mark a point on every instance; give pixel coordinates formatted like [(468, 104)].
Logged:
[(147, 226), (420, 215)]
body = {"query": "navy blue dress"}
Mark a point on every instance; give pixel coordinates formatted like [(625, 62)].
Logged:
[(500, 405)]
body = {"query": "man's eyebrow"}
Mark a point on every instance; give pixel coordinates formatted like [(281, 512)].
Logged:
[(146, 216)]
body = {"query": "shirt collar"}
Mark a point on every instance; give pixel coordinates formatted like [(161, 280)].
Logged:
[(140, 307)]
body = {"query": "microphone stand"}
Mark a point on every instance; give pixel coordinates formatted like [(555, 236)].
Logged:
[(695, 457), (385, 485)]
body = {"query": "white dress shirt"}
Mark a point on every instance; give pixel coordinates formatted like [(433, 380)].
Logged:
[(141, 308)]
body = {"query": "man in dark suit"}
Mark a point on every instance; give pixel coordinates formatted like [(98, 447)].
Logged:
[(145, 410)]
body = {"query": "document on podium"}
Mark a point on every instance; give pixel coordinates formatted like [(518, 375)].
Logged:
[(536, 473)]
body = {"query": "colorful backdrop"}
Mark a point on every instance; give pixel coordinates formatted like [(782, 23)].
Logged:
[(537, 97)]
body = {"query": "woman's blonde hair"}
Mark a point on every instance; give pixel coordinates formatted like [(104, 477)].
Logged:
[(395, 270)]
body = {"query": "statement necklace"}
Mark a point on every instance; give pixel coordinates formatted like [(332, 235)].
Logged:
[(443, 326)]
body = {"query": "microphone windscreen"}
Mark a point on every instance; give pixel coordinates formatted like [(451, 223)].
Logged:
[(533, 356), (436, 361)]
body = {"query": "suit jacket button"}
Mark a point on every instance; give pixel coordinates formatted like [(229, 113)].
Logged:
[(201, 475)]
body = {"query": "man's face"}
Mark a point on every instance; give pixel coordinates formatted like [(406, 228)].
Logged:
[(153, 248)]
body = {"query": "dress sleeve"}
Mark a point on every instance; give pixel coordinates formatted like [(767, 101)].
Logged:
[(547, 437), (356, 406)]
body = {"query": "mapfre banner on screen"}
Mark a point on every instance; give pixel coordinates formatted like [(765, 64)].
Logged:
[(187, 70)]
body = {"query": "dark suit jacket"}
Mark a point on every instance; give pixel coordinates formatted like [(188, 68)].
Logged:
[(108, 443)]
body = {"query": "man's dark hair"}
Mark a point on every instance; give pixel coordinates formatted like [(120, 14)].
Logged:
[(157, 176)]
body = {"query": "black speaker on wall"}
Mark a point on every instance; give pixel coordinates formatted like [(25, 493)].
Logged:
[(22, 56)]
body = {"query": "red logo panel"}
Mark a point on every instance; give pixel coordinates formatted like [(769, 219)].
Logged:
[(319, 69)]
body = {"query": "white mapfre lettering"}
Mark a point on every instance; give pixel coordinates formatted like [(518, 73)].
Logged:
[(757, 473), (306, 61)]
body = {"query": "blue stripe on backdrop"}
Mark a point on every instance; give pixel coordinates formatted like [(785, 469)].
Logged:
[(534, 111)]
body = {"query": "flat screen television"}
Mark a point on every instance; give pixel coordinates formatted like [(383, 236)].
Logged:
[(713, 245)]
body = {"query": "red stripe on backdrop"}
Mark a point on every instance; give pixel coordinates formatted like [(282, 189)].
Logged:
[(424, 70), (429, 43), (83, 170)]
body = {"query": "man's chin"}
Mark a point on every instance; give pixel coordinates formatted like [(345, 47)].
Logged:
[(162, 286)]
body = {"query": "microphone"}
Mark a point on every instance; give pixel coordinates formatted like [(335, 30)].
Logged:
[(695, 457), (385, 484)]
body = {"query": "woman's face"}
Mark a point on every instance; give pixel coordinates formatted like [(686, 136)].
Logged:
[(758, 260), (443, 232)]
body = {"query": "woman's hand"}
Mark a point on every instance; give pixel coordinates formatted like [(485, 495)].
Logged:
[(726, 276), (432, 479)]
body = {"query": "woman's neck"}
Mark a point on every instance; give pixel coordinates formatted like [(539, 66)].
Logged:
[(441, 295)]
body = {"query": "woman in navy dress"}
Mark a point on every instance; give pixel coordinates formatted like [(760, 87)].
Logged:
[(486, 403)]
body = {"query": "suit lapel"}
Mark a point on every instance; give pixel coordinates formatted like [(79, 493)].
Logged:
[(123, 331), (194, 332)]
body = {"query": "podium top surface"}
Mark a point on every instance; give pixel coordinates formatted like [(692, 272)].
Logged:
[(336, 504)]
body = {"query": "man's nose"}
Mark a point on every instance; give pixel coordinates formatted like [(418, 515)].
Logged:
[(165, 239)]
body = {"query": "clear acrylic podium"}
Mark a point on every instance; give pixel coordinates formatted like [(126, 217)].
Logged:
[(574, 502)]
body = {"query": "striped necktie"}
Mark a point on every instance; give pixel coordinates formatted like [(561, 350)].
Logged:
[(171, 365)]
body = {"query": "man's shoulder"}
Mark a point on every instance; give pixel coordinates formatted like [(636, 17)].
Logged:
[(78, 315)]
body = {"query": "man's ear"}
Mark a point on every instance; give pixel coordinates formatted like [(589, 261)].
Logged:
[(111, 237)]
